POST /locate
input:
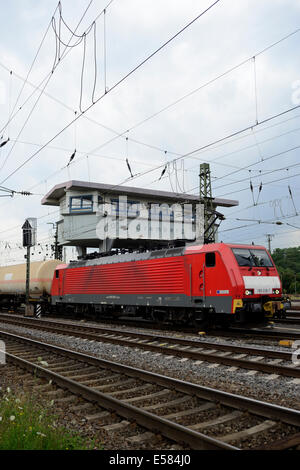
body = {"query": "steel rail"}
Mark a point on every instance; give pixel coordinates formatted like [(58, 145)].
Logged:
[(154, 423), (91, 332), (264, 409), (288, 371), (263, 334), (233, 331), (287, 321)]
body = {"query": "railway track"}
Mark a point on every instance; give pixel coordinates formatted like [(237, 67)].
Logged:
[(233, 331), (291, 316), (255, 333), (293, 313), (288, 321), (245, 357), (295, 304), (147, 404)]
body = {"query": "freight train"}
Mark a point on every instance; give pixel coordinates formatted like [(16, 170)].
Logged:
[(219, 283)]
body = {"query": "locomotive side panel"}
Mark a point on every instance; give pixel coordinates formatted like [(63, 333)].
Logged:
[(203, 283), (161, 281)]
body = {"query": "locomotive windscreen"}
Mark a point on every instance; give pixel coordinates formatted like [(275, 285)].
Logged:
[(252, 258)]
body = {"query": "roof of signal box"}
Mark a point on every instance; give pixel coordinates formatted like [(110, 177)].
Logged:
[(53, 197)]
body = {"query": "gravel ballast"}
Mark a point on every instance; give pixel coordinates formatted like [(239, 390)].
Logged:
[(283, 391)]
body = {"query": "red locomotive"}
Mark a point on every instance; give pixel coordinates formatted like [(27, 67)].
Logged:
[(195, 284)]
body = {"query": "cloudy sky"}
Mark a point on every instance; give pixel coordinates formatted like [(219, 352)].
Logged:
[(237, 66)]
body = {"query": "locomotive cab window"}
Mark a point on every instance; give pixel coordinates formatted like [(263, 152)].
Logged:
[(252, 257), (210, 260)]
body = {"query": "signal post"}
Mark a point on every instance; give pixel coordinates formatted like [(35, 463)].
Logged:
[(29, 240)]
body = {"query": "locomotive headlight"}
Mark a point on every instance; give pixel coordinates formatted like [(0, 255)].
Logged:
[(248, 292), (276, 291)]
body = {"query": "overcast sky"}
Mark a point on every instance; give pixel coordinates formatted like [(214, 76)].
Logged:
[(227, 35)]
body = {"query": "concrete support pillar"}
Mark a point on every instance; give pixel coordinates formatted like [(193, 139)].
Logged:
[(81, 250)]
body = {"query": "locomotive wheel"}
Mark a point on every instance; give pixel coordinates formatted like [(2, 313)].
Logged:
[(159, 316), (282, 314), (225, 324), (201, 319)]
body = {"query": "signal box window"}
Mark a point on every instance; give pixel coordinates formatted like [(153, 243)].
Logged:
[(81, 204), (210, 260)]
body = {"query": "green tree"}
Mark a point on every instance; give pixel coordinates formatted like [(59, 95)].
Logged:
[(287, 261)]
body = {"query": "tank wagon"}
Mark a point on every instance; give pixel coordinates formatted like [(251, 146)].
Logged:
[(195, 284), (13, 283)]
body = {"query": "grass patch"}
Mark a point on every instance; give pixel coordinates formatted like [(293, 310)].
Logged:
[(25, 425)]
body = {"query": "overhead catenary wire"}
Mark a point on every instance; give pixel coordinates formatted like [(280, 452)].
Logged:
[(206, 146), (104, 50), (209, 82), (57, 54), (17, 227), (222, 139), (37, 100), (118, 134), (95, 61), (253, 164), (247, 167), (3, 143), (256, 55), (142, 162), (190, 190), (276, 221), (262, 237), (215, 160), (292, 198), (255, 89), (259, 191), (258, 222), (37, 87), (49, 75), (82, 75), (150, 56), (9, 99), (109, 157), (163, 172), (251, 189), (244, 136), (129, 168), (72, 158), (26, 81), (266, 183), (270, 157), (28, 74), (270, 46)]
